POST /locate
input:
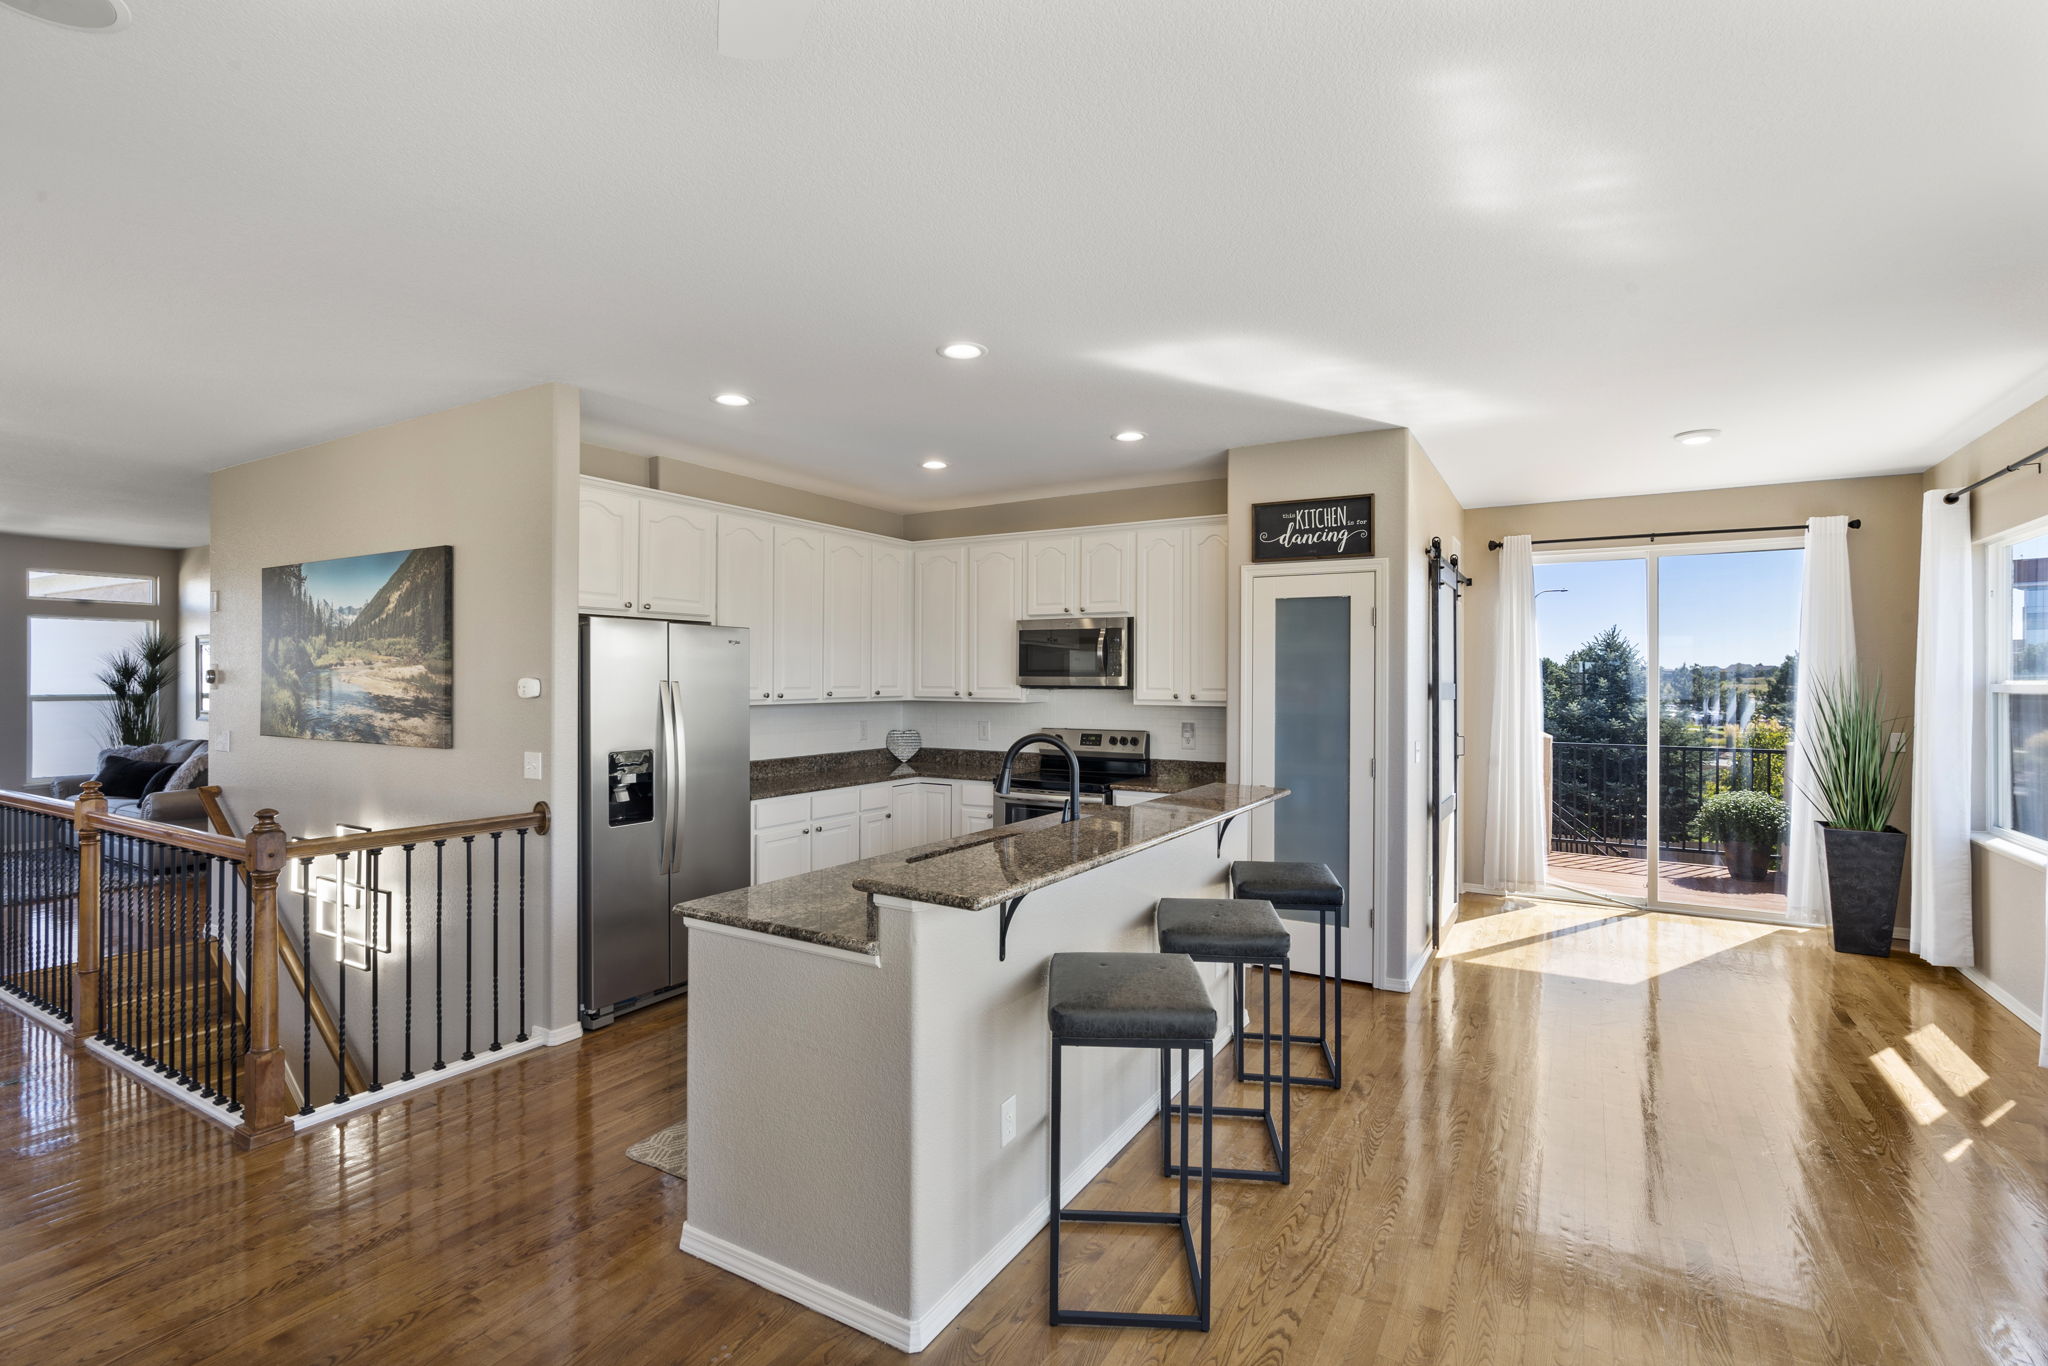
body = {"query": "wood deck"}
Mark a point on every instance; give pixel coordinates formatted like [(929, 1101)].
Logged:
[(1706, 885)]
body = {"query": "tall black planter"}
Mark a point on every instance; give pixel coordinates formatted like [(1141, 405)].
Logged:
[(1864, 870)]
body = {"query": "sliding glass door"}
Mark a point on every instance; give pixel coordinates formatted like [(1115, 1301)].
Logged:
[(1667, 687)]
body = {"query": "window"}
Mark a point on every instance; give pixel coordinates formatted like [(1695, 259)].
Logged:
[(57, 585), (202, 676), (67, 704), (2018, 720)]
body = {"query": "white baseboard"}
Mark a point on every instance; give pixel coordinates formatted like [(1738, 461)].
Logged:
[(28, 1010), (908, 1334), (560, 1035), (165, 1086), (2005, 998), (422, 1081), (1408, 983)]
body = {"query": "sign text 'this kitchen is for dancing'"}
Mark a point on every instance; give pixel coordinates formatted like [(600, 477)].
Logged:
[(1313, 529)]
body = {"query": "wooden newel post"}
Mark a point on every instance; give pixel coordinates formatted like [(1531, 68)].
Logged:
[(266, 1103), (85, 963)]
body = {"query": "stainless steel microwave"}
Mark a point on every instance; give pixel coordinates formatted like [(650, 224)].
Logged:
[(1074, 652)]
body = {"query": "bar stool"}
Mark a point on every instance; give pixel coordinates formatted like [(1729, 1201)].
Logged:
[(1313, 888), (1239, 933), (1134, 1000)]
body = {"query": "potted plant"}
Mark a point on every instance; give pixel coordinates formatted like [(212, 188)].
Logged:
[(1748, 825), (139, 678), (1856, 775)]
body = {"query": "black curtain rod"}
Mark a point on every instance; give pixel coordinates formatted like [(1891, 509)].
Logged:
[(1654, 535), (2014, 468)]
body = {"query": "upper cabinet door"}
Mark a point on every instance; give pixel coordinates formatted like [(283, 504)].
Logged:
[(1159, 621), (889, 631), (848, 603), (746, 594), (938, 621), (678, 559), (1108, 573), (799, 613), (1209, 612), (607, 539), (1051, 585), (995, 599)]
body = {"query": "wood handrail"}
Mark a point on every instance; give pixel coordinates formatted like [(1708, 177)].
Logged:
[(294, 966), (176, 836), (33, 801), (536, 820)]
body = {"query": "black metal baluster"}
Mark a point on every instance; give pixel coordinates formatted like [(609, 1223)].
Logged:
[(468, 947), (340, 978), (497, 840), (233, 1074), (522, 938), (373, 921), (209, 964), (160, 1000), (406, 1075), (188, 950), (440, 967), (306, 961)]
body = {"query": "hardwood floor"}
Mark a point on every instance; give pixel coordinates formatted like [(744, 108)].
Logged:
[(1588, 1136)]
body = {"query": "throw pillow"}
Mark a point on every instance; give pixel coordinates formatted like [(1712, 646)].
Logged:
[(128, 778), (160, 779), (189, 774)]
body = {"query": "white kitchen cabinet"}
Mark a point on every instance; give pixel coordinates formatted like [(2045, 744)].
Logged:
[(1108, 561), (939, 613), (847, 624), (995, 600), (889, 619), (1052, 577), (799, 613), (782, 851), (1159, 663), (678, 559), (1208, 613), (877, 833), (974, 807), (607, 549), (935, 801), (746, 597), (906, 808), (835, 840)]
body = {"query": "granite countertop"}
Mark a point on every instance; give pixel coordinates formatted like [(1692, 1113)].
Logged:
[(858, 768), (835, 907)]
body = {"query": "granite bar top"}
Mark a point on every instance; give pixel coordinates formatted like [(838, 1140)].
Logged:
[(858, 768), (835, 907)]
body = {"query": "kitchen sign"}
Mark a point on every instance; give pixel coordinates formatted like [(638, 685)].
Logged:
[(1313, 529)]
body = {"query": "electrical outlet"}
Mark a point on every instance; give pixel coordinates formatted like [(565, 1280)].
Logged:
[(1898, 741), (1187, 735), (223, 741), (863, 732), (1009, 1120), (533, 763), (981, 731)]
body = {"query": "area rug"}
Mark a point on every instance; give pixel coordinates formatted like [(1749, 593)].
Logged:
[(666, 1151)]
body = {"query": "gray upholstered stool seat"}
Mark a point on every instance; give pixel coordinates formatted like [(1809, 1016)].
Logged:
[(1208, 928), (1128, 997), (1294, 885)]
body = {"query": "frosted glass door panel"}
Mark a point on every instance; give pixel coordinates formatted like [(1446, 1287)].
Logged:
[(1312, 733)]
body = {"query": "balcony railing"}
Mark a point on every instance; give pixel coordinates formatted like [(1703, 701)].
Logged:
[(1597, 793)]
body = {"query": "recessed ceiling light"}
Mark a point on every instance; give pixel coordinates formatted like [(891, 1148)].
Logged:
[(935, 464), (963, 350), (1130, 436), (1698, 436), (733, 400), (93, 16)]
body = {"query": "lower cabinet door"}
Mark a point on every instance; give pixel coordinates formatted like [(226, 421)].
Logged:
[(906, 809), (937, 801), (782, 851), (973, 818), (877, 833), (834, 841)]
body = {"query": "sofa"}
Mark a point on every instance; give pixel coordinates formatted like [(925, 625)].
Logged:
[(178, 803)]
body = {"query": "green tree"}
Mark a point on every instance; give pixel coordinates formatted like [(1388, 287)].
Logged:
[(1777, 699)]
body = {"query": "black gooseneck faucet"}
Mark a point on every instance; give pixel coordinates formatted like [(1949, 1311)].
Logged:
[(1073, 811)]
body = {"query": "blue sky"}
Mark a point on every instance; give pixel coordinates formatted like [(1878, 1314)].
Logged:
[(1716, 609), (351, 582)]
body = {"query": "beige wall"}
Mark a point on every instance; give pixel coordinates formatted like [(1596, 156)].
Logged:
[(491, 479), (18, 555), (1884, 560), (2010, 891), (1197, 498)]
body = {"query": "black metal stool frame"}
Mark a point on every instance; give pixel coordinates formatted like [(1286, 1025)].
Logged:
[(1329, 998), (1198, 1261), (1282, 1138)]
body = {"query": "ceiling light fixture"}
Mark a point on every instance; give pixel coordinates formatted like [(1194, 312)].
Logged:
[(1130, 436), (935, 464), (733, 400), (963, 350), (90, 16), (1698, 436)]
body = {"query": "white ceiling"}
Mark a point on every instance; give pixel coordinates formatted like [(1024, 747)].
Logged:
[(1546, 236)]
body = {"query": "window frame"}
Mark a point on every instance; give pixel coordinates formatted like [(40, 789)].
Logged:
[(29, 710), (202, 683), (1999, 683), (156, 588)]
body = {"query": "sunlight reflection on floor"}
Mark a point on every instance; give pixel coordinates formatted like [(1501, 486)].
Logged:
[(1568, 940)]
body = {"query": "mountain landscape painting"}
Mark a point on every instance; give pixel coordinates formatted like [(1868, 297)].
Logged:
[(362, 649)]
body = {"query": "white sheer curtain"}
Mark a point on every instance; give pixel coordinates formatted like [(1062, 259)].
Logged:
[(1942, 678), (1513, 856), (1827, 653)]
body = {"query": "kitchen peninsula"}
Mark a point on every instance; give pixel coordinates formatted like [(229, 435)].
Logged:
[(867, 1052)]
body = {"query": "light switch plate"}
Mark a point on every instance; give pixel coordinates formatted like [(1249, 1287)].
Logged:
[(533, 763), (529, 687), (222, 741), (1009, 1120), (1187, 735), (981, 731)]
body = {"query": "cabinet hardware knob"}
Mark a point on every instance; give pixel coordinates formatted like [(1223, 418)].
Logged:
[(828, 694), (625, 604), (778, 696), (647, 607), (970, 692), (956, 694), (764, 694)]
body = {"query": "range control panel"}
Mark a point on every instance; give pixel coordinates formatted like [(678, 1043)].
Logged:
[(1123, 743)]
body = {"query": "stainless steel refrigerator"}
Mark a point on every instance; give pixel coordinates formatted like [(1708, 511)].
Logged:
[(665, 798)]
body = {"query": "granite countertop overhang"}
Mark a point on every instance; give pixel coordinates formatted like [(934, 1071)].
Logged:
[(835, 907)]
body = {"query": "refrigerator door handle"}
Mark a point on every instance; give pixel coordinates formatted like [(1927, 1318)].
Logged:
[(671, 757), (679, 774)]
